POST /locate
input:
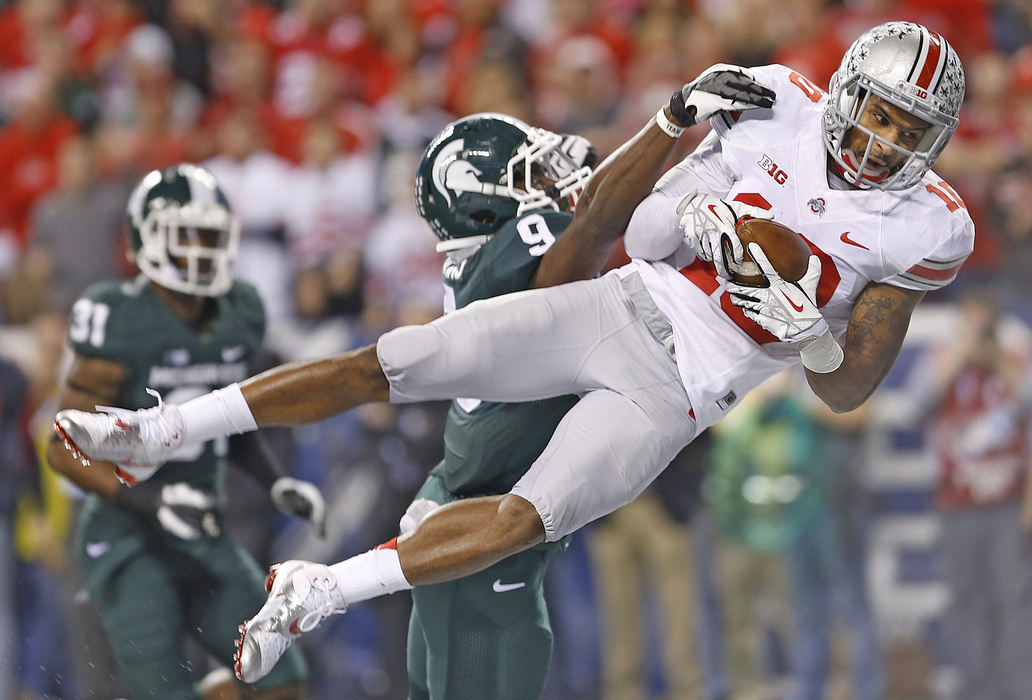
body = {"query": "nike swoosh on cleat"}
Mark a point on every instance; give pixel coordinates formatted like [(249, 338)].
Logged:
[(499, 587), (846, 239), (294, 629)]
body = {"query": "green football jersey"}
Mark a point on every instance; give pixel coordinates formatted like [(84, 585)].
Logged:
[(126, 323), (488, 446)]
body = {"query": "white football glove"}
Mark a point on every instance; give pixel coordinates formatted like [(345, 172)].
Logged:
[(180, 509), (416, 513), (720, 87), (705, 221), (788, 310), (302, 499)]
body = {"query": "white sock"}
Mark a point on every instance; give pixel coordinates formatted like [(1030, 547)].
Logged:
[(370, 575), (221, 413)]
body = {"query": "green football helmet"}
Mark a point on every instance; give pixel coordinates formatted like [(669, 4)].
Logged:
[(181, 232), (487, 168)]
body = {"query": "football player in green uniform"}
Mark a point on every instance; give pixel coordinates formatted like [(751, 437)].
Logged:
[(156, 558), (487, 636)]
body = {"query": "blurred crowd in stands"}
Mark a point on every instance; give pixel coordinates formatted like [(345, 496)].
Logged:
[(312, 114)]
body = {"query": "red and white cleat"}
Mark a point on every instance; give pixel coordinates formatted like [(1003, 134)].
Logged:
[(142, 439), (301, 595)]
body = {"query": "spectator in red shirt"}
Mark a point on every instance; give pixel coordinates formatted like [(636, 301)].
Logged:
[(304, 34), (480, 37), (812, 46), (973, 388), (20, 23), (98, 29), (29, 145)]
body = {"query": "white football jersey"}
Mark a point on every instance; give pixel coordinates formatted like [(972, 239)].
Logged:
[(776, 159)]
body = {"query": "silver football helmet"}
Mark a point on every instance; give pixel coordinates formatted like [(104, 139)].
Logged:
[(914, 69)]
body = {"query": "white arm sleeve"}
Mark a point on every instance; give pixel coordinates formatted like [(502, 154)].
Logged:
[(653, 232)]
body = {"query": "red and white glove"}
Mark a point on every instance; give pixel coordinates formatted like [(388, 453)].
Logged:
[(706, 221), (788, 310)]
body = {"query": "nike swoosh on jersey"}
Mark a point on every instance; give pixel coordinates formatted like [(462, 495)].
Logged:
[(792, 303), (499, 587), (846, 239), (96, 549), (233, 354)]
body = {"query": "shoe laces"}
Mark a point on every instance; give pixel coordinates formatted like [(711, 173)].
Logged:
[(116, 411), (325, 607), (158, 430), (311, 619)]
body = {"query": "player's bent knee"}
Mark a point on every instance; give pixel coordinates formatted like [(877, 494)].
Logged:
[(421, 364), (404, 349), (406, 346)]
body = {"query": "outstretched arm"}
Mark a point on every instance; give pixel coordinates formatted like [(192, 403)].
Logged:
[(604, 209), (874, 336), (255, 456), (628, 175), (295, 393)]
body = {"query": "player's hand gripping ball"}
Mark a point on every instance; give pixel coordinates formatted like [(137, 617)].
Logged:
[(785, 249)]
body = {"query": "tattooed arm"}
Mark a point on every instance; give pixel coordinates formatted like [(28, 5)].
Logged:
[(874, 336)]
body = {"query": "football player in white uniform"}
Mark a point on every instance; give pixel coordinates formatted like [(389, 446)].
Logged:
[(659, 349)]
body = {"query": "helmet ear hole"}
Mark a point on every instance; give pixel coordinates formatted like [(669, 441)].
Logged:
[(483, 216)]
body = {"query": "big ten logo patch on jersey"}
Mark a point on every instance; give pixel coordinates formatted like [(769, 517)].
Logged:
[(772, 169)]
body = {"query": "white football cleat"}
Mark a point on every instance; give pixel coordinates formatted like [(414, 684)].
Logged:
[(301, 595), (142, 438)]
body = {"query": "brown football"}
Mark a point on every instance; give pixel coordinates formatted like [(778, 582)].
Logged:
[(786, 250)]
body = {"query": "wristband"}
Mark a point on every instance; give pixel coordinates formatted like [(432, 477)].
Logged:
[(669, 128), (821, 354)]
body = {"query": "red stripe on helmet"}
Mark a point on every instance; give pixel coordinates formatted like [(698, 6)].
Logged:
[(934, 58)]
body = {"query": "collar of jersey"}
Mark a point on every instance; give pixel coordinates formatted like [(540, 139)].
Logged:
[(454, 244)]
